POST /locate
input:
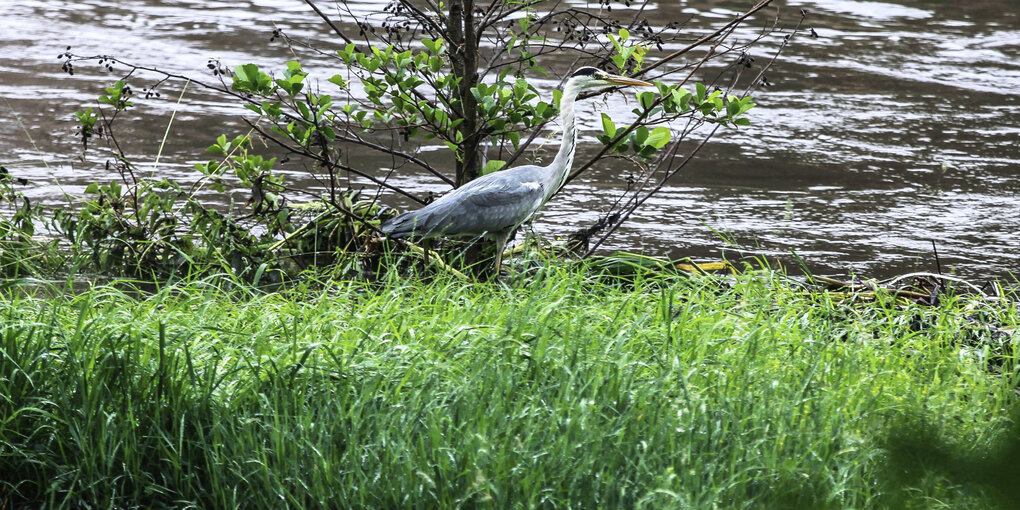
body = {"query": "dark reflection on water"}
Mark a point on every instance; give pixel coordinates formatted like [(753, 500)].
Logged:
[(897, 126)]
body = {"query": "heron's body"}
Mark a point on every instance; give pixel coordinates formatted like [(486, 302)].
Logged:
[(494, 205), (490, 205)]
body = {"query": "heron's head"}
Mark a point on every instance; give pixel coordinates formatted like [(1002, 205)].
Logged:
[(590, 77)]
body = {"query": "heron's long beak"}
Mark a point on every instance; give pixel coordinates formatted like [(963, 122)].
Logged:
[(623, 80)]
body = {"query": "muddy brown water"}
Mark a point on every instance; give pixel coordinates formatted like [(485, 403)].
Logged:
[(898, 126)]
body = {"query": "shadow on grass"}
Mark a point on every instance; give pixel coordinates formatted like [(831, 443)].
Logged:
[(919, 454)]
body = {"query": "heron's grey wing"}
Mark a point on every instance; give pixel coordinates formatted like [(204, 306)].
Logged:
[(495, 204), (492, 203), (505, 203)]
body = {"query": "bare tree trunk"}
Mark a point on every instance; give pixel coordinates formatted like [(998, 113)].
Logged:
[(464, 60)]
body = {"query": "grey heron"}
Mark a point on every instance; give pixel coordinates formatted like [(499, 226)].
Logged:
[(495, 204)]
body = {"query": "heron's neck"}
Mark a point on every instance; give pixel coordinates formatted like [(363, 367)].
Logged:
[(560, 166)]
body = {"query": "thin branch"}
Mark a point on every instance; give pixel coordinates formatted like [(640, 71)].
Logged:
[(630, 210), (329, 22), (423, 18), (732, 23), (399, 154), (636, 201), (316, 157), (727, 30)]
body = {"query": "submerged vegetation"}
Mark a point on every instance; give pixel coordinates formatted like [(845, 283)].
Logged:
[(564, 388)]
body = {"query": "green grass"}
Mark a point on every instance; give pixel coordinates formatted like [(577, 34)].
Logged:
[(558, 391)]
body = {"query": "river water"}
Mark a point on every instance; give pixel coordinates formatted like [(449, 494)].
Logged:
[(897, 126)]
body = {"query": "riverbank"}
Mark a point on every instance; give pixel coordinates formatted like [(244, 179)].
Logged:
[(556, 389)]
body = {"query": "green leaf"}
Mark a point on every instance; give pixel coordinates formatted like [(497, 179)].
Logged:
[(745, 105), (272, 109), (619, 60), (292, 85), (515, 138), (640, 135), (435, 46), (608, 126), (347, 54), (493, 166), (716, 100), (293, 69), (732, 108), (658, 138), (248, 78), (245, 73), (647, 99), (305, 112)]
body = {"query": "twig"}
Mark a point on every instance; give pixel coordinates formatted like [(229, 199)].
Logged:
[(757, 7), (973, 287), (338, 165), (674, 147), (159, 152), (328, 22)]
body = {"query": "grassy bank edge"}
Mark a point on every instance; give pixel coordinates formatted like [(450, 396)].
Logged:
[(560, 389)]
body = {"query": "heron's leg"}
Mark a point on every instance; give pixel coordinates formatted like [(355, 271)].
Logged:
[(426, 246), (500, 246)]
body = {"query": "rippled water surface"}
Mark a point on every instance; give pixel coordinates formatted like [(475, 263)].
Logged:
[(898, 125)]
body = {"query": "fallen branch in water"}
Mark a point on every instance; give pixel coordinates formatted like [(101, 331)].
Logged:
[(931, 286)]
